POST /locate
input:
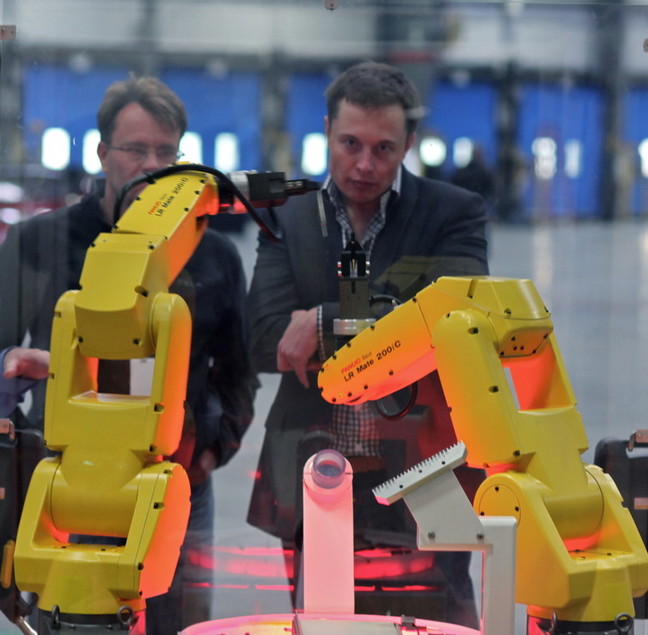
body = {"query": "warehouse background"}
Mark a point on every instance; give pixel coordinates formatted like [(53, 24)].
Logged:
[(555, 94)]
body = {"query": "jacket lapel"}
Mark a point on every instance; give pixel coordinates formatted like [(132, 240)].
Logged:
[(394, 241)]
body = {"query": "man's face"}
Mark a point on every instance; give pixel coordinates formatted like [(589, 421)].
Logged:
[(139, 144), (366, 148)]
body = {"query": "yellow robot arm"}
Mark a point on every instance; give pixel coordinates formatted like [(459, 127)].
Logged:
[(108, 478), (511, 402)]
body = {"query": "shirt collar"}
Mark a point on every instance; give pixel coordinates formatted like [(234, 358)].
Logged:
[(377, 222)]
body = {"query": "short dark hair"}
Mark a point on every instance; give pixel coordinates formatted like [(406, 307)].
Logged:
[(373, 85), (151, 94)]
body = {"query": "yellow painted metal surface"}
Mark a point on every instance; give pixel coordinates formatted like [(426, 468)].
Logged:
[(109, 477)]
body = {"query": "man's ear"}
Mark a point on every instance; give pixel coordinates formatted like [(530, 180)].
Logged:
[(102, 150), (326, 126)]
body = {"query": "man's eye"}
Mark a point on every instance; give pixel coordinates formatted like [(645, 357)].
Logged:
[(137, 151), (167, 155)]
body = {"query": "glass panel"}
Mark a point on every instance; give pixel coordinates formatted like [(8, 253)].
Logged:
[(524, 158)]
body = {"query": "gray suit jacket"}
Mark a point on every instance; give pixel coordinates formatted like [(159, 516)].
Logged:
[(432, 229)]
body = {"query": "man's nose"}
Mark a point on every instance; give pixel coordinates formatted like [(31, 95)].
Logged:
[(365, 160), (153, 162)]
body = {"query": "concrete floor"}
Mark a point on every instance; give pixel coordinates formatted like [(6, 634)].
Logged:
[(592, 277)]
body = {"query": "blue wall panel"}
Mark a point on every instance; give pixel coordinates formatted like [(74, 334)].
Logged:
[(55, 96), (635, 131), (564, 114), (466, 110), (221, 104), (305, 110)]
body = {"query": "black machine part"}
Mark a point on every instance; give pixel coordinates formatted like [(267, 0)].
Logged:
[(623, 624), (626, 461)]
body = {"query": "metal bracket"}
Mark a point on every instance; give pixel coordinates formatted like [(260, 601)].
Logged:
[(401, 485), (446, 521)]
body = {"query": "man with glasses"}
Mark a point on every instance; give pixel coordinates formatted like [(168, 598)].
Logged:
[(141, 122)]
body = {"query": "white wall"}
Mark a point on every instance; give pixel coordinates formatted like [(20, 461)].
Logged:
[(304, 29), (635, 60), (540, 35), (537, 37)]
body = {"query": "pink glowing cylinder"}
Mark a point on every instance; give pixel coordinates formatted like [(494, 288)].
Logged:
[(328, 534)]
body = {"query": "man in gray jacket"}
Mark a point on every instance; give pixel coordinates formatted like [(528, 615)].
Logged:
[(412, 230)]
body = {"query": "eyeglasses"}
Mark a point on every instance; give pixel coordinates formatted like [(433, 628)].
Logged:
[(139, 153)]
